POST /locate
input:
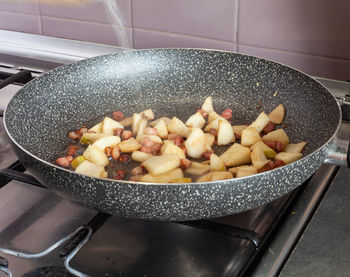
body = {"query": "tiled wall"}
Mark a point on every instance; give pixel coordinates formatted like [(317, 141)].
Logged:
[(313, 35)]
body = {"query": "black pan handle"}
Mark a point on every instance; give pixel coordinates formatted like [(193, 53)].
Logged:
[(20, 176)]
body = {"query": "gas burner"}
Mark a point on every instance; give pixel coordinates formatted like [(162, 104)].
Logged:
[(49, 271)]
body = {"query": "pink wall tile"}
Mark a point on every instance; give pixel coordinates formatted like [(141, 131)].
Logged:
[(81, 30), (86, 11), (20, 22), (155, 39), (31, 7), (318, 27), (204, 18), (313, 65)]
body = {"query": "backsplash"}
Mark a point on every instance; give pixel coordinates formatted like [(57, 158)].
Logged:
[(312, 36)]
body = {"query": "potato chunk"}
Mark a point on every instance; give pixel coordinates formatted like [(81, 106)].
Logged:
[(161, 164), (210, 138), (136, 119), (208, 104), (175, 174), (221, 175), (172, 150), (141, 126), (95, 155), (277, 135), (139, 156), (196, 120), (258, 158), (108, 141), (225, 133), (216, 164), (167, 120), (91, 169), (212, 116), (197, 168), (89, 138), (178, 127), (147, 114), (126, 122), (212, 125), (162, 130), (250, 135), (288, 157), (215, 176), (277, 114), (109, 125), (129, 145), (196, 143), (237, 129), (245, 170), (236, 155), (261, 121), (295, 147), (97, 128), (268, 151), (151, 137)]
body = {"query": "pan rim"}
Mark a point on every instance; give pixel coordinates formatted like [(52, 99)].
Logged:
[(125, 182)]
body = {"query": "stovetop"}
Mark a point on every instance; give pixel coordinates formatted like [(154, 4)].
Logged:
[(33, 218)]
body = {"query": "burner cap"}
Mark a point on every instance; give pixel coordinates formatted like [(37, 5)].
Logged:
[(49, 271)]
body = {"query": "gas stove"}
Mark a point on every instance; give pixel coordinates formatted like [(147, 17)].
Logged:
[(42, 234)]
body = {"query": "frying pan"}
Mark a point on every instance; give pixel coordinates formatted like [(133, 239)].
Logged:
[(172, 82)]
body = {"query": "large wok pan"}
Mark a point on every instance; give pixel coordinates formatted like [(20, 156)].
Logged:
[(171, 82)]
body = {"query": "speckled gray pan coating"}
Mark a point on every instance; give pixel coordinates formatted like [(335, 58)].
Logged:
[(171, 82)]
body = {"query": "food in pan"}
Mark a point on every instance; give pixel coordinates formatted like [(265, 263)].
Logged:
[(169, 150)]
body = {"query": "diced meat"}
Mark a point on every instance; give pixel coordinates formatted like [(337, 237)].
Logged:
[(156, 148), (206, 155), (115, 153), (120, 175), (269, 128), (72, 150), (149, 146), (124, 158), (178, 141), (147, 142), (73, 135), (271, 165), (276, 145), (108, 151), (118, 115), (64, 161), (279, 163), (146, 149), (81, 131), (227, 114), (69, 158), (118, 132), (126, 134)]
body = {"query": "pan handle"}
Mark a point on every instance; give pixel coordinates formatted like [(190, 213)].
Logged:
[(340, 154)]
